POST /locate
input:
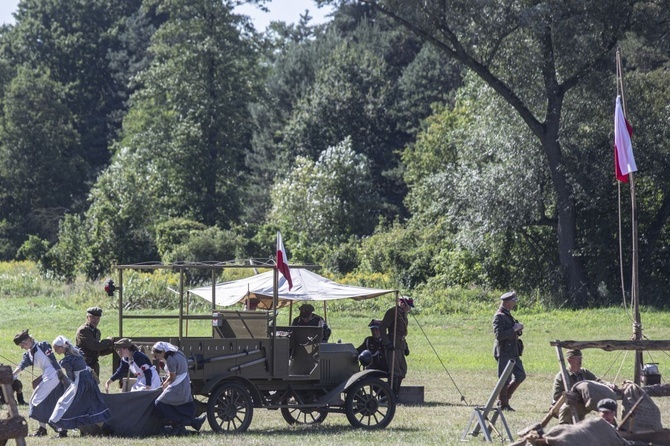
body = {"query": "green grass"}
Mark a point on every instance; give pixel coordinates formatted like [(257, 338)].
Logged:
[(460, 364)]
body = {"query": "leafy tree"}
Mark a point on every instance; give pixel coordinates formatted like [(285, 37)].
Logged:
[(326, 201), (430, 79), (73, 40), (647, 101), (190, 118), (40, 168), (532, 55), (352, 97), (292, 56), (174, 232), (359, 76), (184, 137), (123, 214)]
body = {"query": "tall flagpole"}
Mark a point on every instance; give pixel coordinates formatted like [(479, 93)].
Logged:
[(635, 285)]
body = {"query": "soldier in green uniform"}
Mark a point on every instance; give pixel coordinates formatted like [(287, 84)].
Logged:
[(576, 373), (89, 342), (393, 329), (506, 346)]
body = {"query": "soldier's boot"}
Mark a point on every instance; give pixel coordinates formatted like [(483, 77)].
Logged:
[(503, 399), (20, 400), (509, 391), (396, 388)]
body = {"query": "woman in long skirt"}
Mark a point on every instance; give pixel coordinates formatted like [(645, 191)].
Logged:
[(49, 390), (82, 402), (176, 404), (135, 362)]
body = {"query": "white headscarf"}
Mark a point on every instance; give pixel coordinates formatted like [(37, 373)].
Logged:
[(61, 341), (162, 346)]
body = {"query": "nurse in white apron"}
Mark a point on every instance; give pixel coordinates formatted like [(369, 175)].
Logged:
[(176, 404), (135, 362), (49, 390)]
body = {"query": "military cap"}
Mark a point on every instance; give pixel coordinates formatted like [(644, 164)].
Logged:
[(407, 301), (607, 405), (374, 323), (19, 338), (307, 307), (94, 311), (123, 343), (576, 353), (510, 295)]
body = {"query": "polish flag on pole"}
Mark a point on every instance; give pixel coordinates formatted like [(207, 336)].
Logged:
[(282, 261), (624, 163)]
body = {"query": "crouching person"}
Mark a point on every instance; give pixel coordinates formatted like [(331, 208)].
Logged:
[(176, 404), (17, 386)]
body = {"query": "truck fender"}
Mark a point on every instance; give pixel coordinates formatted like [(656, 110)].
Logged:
[(333, 397), (364, 374), (217, 380)]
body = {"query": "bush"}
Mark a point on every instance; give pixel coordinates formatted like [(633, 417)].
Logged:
[(33, 249), (174, 232)]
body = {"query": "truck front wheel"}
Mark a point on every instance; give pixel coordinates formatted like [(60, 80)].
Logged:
[(370, 404)]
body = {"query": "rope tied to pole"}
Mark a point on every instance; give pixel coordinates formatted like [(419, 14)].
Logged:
[(440, 359)]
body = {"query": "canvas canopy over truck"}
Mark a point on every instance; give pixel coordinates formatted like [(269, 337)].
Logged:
[(307, 286), (250, 361)]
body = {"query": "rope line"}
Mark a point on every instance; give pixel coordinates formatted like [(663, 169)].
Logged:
[(440, 359)]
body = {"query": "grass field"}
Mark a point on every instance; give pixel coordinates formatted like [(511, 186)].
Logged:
[(452, 360)]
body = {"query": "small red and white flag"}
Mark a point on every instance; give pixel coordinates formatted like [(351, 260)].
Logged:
[(624, 162), (282, 261)]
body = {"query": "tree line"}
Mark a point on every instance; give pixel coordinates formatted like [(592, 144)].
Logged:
[(439, 144)]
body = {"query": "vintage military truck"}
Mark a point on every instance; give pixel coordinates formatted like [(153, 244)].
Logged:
[(250, 362)]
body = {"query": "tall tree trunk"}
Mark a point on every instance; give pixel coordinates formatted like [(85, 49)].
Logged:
[(566, 231), (571, 262)]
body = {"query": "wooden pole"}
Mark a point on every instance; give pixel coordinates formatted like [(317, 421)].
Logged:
[(275, 302), (120, 290), (635, 285)]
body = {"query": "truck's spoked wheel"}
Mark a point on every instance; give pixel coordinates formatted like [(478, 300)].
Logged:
[(370, 404), (230, 409), (303, 416)]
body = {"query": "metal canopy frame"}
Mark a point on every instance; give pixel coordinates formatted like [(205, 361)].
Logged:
[(214, 266)]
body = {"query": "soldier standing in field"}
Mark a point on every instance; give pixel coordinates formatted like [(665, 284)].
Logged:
[(507, 346), (393, 329), (89, 342)]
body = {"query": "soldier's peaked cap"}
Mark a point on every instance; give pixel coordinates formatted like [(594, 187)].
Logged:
[(94, 311), (510, 295), (607, 404), (374, 323)]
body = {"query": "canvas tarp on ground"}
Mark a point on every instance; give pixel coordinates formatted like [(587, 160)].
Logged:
[(133, 415), (307, 286)]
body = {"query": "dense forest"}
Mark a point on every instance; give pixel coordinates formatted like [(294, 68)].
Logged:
[(438, 144)]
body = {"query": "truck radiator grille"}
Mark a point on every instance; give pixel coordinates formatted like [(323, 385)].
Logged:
[(324, 364)]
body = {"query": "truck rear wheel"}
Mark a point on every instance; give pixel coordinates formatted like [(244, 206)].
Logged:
[(294, 415), (230, 408), (370, 404)]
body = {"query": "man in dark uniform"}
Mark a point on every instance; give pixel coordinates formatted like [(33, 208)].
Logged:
[(89, 342), (506, 346), (375, 346), (393, 330), (307, 318)]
